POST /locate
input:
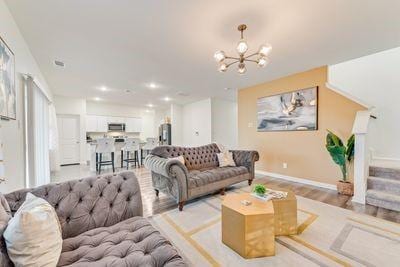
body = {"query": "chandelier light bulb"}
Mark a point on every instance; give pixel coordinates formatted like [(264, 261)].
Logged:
[(219, 56), (242, 68), (265, 50), (242, 47), (262, 62), (223, 67)]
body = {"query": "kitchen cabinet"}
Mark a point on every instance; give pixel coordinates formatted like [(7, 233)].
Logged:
[(102, 124), (99, 124), (116, 120), (133, 125), (91, 123)]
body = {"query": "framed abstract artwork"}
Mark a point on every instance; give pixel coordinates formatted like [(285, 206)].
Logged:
[(291, 111), (8, 105)]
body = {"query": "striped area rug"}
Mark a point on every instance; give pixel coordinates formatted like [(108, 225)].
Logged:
[(327, 236)]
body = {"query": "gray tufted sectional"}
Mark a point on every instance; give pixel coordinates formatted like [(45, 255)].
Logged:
[(102, 223), (200, 174)]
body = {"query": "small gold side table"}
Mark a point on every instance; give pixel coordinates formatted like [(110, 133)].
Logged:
[(248, 230), (285, 212)]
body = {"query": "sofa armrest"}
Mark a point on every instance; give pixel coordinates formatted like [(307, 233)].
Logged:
[(246, 158), (170, 168)]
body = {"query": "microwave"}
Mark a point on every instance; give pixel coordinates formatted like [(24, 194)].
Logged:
[(116, 127)]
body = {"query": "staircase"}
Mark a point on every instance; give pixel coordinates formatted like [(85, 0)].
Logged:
[(383, 187)]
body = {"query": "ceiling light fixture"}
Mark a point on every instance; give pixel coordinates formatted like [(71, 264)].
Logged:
[(167, 99), (260, 57), (152, 85), (103, 88), (97, 98), (150, 105)]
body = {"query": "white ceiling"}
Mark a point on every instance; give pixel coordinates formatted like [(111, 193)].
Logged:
[(126, 44)]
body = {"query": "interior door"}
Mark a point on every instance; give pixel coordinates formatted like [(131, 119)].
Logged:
[(68, 132)]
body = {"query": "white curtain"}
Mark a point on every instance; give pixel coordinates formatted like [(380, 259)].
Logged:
[(37, 135), (53, 140)]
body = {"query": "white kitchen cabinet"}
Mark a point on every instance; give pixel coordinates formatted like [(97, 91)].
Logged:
[(99, 124), (91, 123), (133, 125), (116, 120), (102, 124)]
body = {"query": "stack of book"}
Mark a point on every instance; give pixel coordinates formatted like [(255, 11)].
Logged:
[(270, 194)]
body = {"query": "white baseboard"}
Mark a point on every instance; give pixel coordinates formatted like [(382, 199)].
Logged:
[(297, 180)]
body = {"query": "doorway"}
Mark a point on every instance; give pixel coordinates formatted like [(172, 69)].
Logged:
[(69, 138)]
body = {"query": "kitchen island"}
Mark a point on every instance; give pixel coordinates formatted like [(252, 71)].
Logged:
[(117, 155)]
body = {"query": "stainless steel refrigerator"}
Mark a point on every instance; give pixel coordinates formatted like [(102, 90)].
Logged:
[(164, 134)]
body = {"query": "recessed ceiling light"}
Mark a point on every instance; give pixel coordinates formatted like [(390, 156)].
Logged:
[(103, 88), (150, 105), (152, 85), (167, 99), (97, 98), (227, 88), (147, 110)]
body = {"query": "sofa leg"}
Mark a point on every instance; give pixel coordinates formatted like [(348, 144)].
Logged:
[(222, 191), (180, 205), (250, 181), (157, 192)]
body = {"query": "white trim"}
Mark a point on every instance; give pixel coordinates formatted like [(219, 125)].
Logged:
[(386, 158), (298, 180), (36, 81), (349, 96)]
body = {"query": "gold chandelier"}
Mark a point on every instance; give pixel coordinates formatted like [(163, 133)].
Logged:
[(260, 57)]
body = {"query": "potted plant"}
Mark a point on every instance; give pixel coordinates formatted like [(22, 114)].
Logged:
[(342, 155), (259, 189)]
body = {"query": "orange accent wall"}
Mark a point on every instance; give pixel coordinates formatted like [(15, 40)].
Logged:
[(303, 151)]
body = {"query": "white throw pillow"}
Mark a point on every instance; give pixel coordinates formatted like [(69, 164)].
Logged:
[(179, 158), (33, 235), (226, 159)]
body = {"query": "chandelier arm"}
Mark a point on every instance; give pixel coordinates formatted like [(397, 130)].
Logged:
[(236, 58), (251, 60), (234, 62), (254, 54)]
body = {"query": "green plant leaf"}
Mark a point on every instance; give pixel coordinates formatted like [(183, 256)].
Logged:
[(350, 148), (333, 139), (259, 189), (338, 154)]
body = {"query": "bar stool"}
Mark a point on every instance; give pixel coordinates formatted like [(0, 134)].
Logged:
[(131, 145), (104, 146), (151, 143)]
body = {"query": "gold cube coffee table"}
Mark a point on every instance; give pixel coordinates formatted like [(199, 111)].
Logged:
[(251, 230), (248, 230), (285, 212)]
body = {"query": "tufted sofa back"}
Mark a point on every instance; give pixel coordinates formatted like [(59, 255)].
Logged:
[(195, 157), (88, 203)]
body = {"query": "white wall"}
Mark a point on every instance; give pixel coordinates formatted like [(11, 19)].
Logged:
[(176, 125), (196, 126), (74, 106), (224, 123), (375, 80), (12, 132)]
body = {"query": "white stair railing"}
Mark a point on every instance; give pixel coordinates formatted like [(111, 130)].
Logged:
[(361, 155)]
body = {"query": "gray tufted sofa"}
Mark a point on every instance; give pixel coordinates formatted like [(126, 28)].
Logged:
[(200, 174), (101, 223)]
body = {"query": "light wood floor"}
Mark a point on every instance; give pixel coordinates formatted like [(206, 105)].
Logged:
[(154, 205)]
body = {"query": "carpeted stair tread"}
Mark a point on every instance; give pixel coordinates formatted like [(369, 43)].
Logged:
[(383, 199), (383, 172), (384, 184)]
